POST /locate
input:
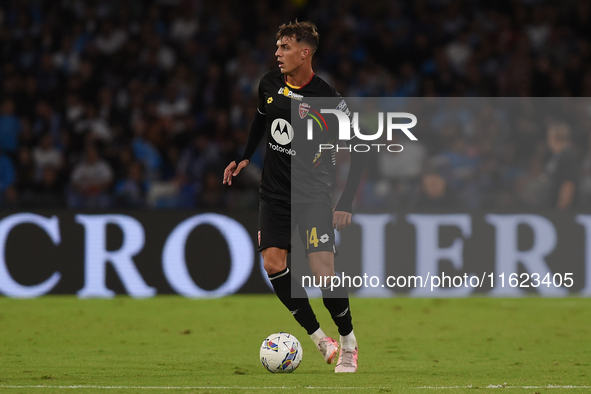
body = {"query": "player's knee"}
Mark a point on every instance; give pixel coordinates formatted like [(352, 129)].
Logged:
[(322, 264), (273, 266)]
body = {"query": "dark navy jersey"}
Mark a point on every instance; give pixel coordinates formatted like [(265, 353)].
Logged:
[(295, 169)]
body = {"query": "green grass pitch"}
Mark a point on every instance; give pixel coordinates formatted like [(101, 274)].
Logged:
[(172, 344)]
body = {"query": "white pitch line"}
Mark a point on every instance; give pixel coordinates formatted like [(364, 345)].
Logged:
[(186, 387), (491, 386), (501, 386)]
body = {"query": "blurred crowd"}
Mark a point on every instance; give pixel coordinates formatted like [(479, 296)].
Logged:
[(137, 104)]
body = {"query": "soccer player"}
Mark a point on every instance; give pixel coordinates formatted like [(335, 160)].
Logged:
[(561, 168), (309, 208)]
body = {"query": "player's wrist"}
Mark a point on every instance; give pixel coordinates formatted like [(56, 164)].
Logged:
[(344, 207), (238, 161)]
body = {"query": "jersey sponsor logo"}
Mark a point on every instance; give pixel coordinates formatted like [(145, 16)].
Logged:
[(304, 109), (281, 131), (281, 149), (288, 93)]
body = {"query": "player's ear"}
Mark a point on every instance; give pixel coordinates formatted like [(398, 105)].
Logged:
[(305, 52)]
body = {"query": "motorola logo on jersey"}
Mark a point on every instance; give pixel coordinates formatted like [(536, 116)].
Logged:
[(282, 131)]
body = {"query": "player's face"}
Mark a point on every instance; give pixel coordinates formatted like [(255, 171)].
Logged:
[(290, 54)]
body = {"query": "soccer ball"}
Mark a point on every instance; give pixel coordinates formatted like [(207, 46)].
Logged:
[(281, 352)]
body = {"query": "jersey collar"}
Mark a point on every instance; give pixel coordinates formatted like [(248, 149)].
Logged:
[(297, 87)]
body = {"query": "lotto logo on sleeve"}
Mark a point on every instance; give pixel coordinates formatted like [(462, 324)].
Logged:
[(343, 108)]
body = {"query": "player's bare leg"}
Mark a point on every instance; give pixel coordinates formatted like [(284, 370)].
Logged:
[(336, 300), (274, 260)]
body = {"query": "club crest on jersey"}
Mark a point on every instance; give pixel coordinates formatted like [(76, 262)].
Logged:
[(288, 93), (304, 109)]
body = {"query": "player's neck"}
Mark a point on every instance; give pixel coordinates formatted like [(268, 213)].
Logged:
[(299, 77)]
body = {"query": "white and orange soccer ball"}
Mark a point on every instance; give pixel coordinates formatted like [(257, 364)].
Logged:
[(281, 352)]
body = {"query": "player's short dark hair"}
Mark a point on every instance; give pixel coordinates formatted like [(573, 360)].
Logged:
[(303, 32)]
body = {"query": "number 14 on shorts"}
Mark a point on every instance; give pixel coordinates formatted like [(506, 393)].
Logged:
[(313, 240)]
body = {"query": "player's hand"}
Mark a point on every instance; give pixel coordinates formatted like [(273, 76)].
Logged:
[(233, 170), (341, 220)]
